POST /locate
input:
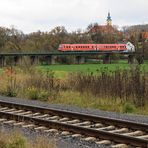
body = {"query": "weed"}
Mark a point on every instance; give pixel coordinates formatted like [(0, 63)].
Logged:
[(128, 108)]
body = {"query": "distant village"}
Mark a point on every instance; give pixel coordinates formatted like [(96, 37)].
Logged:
[(14, 40), (110, 28)]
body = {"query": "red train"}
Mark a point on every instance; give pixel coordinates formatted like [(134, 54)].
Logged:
[(129, 47)]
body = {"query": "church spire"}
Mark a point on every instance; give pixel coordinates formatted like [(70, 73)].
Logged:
[(109, 20)]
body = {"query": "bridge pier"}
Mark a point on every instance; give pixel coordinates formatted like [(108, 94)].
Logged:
[(17, 60), (140, 59), (34, 60), (2, 61), (79, 60), (50, 60), (132, 59), (107, 59)]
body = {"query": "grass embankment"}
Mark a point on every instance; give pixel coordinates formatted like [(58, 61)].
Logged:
[(120, 90), (17, 140)]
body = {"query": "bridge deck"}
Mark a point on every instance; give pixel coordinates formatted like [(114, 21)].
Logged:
[(65, 53)]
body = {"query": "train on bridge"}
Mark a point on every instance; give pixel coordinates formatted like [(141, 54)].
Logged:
[(129, 47)]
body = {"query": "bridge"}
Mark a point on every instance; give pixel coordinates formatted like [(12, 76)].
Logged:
[(50, 57)]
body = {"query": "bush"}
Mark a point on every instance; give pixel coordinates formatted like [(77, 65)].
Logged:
[(128, 108), (33, 93)]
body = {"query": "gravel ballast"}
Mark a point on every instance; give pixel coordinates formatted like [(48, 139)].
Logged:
[(62, 141)]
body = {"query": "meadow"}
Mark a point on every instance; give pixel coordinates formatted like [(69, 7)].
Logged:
[(62, 71), (114, 87)]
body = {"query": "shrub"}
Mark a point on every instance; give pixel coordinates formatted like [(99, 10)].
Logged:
[(43, 95), (128, 108), (33, 93)]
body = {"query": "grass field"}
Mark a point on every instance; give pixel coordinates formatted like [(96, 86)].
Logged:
[(34, 84), (63, 70), (1, 70)]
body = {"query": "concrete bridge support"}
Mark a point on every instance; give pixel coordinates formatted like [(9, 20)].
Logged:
[(34, 60), (17, 60), (2, 61), (132, 59), (79, 60), (107, 59), (50, 60), (140, 59)]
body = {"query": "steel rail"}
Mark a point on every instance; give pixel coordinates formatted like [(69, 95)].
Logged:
[(78, 129), (81, 116)]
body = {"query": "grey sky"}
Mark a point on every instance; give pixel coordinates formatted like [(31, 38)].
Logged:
[(33, 15)]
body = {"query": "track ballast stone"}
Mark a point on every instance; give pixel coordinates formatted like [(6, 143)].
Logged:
[(62, 141)]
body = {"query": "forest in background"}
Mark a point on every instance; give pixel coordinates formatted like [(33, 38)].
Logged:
[(13, 40)]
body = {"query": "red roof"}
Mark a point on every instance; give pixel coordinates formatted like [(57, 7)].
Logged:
[(104, 29), (145, 35)]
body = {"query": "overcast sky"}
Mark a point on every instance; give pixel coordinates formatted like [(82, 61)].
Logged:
[(34, 15)]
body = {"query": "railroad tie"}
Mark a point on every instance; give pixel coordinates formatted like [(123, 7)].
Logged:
[(90, 139), (36, 114), (40, 128), (73, 121), (82, 123), (98, 125), (28, 125), (19, 123), (65, 133), (53, 118), (25, 113), (143, 137), (87, 126), (9, 122), (104, 142), (64, 119), (136, 133), (125, 130), (1, 120), (42, 116), (76, 135), (3, 108), (17, 111), (111, 127), (120, 146), (9, 110), (51, 130)]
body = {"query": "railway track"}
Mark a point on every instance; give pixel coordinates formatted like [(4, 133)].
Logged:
[(107, 131)]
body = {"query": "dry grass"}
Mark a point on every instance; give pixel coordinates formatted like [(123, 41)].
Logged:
[(120, 91), (17, 140)]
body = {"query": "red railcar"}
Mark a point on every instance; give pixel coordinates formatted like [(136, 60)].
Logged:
[(97, 47)]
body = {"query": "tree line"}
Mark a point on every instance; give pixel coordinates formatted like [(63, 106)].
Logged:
[(14, 40)]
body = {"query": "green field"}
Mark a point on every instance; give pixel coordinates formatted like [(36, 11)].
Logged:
[(1, 70), (63, 70)]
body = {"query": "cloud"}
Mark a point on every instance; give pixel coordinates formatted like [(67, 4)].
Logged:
[(33, 15)]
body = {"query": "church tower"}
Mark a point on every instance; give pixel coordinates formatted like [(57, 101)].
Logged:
[(109, 20)]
